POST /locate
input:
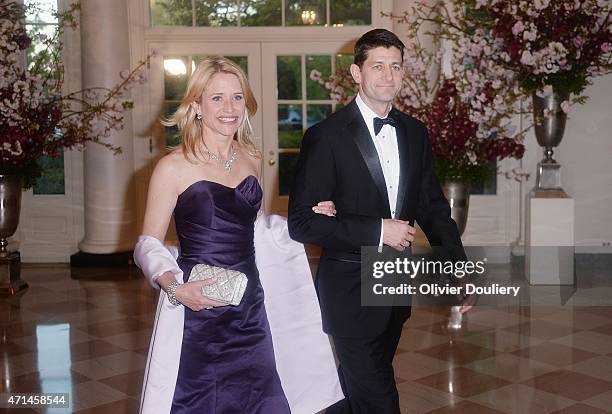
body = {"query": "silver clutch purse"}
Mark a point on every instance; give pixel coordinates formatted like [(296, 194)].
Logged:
[(229, 287)]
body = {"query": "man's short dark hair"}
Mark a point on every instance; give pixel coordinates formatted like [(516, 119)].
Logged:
[(373, 39)]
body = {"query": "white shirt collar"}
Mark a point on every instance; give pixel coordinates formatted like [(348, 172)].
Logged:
[(368, 114)]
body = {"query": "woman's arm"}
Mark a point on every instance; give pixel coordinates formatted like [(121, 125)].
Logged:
[(161, 200)]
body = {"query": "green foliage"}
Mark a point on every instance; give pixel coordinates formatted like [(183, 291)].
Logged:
[(30, 170), (289, 138), (288, 70), (171, 13), (52, 179), (568, 82), (261, 13), (351, 12), (471, 173)]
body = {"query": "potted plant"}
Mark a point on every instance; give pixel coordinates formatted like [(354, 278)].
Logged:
[(37, 116), (550, 49)]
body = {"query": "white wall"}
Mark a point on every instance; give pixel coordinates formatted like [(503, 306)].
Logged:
[(586, 169)]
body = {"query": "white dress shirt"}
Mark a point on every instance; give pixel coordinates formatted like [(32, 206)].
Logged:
[(388, 155)]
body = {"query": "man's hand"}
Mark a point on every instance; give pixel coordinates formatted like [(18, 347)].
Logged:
[(327, 208), (398, 233), (468, 303)]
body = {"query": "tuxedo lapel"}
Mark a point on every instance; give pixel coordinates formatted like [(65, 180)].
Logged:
[(361, 135), (403, 147)]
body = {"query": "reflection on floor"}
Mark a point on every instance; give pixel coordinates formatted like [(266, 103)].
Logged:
[(90, 338)]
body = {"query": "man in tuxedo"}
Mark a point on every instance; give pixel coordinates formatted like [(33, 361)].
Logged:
[(375, 164)]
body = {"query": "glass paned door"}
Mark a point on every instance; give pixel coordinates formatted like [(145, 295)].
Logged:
[(293, 102)]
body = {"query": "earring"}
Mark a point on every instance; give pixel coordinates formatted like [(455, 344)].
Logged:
[(199, 117)]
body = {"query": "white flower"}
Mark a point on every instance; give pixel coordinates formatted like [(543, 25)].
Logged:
[(541, 4), (518, 27), (475, 50), (527, 58), (565, 106), (531, 33), (315, 75), (8, 147)]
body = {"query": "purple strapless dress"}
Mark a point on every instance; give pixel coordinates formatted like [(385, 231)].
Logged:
[(227, 360)]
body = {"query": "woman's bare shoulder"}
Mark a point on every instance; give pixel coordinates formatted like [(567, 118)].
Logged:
[(171, 164), (252, 157)]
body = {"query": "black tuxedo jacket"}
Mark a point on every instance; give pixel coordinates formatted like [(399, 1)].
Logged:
[(338, 161)]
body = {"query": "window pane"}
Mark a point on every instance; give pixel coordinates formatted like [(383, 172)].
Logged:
[(314, 90), (43, 11), (175, 77), (305, 12), (40, 52), (344, 61), (287, 162), (173, 137), (216, 13), (317, 113), (260, 13), (289, 126), (171, 13), (490, 187), (52, 179), (351, 12), (289, 75)]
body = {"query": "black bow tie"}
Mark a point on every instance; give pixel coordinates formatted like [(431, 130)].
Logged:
[(378, 123)]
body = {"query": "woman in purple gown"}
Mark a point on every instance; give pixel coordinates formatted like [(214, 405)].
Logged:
[(210, 184)]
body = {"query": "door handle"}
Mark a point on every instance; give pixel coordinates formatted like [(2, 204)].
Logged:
[(271, 161)]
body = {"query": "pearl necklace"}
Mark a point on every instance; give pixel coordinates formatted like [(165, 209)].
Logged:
[(227, 164)]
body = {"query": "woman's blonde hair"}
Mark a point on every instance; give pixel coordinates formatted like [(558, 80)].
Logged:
[(190, 127)]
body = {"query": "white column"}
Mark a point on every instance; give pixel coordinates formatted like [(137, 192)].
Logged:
[(110, 220)]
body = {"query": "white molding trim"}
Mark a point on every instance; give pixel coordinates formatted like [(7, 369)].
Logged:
[(254, 34)]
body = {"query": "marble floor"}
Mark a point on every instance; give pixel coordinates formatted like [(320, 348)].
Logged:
[(86, 332)]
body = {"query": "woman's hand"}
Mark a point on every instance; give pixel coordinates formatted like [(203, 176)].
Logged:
[(190, 295), (327, 208)]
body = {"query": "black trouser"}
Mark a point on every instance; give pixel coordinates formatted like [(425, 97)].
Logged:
[(366, 372)]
